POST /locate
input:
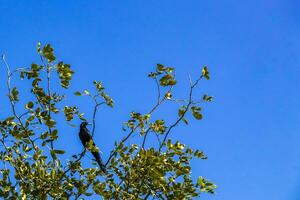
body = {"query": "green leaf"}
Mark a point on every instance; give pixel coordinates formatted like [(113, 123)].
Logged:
[(38, 48), (65, 74), (196, 112), (158, 126), (197, 115), (59, 151), (160, 67), (44, 135), (53, 154), (50, 123), (107, 99), (54, 134), (70, 112), (29, 105), (47, 52), (200, 154), (98, 86), (86, 92), (207, 98), (15, 94), (205, 73), (168, 95), (200, 182), (181, 111), (167, 80), (185, 121), (77, 93)]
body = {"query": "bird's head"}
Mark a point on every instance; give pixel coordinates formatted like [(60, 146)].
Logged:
[(84, 124)]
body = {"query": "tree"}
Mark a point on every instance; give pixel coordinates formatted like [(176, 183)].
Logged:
[(32, 167)]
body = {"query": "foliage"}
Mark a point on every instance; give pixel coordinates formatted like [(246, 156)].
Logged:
[(31, 166)]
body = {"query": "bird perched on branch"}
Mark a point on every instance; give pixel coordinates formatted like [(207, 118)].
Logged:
[(87, 142)]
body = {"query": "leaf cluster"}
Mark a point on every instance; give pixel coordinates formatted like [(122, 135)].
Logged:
[(32, 166)]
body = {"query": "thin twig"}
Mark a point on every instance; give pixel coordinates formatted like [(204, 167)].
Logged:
[(94, 115), (81, 155), (158, 103), (48, 70), (145, 137), (12, 103), (184, 112)]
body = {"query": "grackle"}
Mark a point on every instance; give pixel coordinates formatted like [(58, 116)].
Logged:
[(85, 138)]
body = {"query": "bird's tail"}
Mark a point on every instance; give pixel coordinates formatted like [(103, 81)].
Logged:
[(99, 161)]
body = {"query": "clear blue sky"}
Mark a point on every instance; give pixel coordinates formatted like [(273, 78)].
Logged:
[(251, 132)]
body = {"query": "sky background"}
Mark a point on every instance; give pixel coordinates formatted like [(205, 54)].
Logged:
[(251, 130)]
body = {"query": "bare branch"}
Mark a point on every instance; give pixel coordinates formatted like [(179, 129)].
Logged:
[(94, 114)]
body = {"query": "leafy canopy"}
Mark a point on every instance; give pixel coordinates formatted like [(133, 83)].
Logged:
[(31, 165)]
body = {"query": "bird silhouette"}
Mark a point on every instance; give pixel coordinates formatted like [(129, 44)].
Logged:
[(85, 138)]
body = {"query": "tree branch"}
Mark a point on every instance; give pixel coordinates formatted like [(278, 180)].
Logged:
[(9, 75), (190, 101)]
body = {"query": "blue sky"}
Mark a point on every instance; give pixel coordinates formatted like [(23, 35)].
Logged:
[(250, 132)]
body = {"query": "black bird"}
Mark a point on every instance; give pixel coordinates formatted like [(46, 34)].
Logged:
[(85, 138)]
